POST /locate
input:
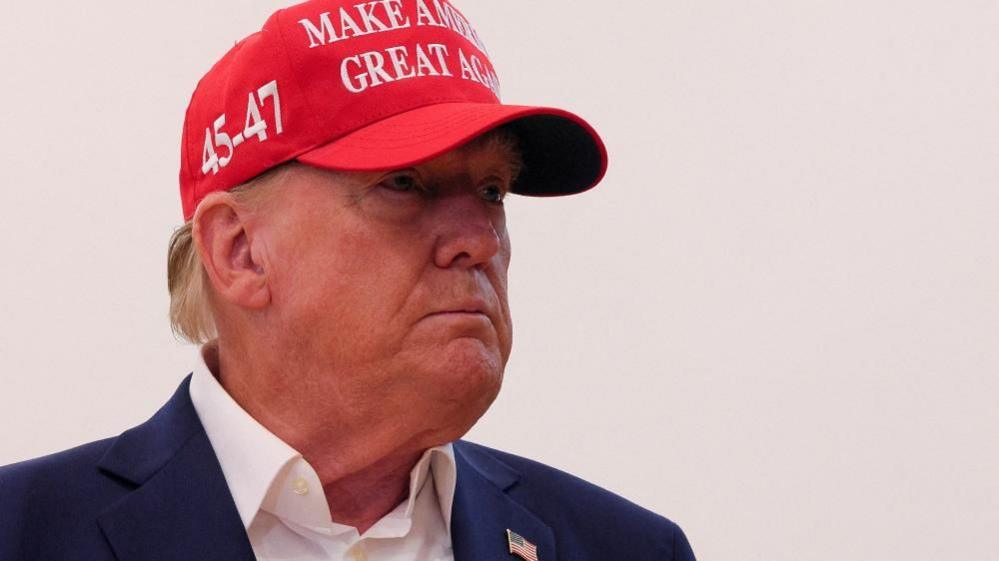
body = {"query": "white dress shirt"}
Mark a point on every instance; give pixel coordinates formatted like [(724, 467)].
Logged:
[(282, 504)]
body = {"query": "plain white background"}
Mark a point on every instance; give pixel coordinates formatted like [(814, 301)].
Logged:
[(776, 322)]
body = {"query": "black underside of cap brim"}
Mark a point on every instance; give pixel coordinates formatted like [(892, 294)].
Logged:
[(560, 156)]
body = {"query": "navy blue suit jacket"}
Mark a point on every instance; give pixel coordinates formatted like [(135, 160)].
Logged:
[(156, 492)]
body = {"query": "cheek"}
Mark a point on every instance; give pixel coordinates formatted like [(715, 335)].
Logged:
[(349, 279), (505, 249), (502, 262), (500, 282), (507, 254)]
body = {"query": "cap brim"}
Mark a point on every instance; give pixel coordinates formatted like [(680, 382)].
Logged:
[(562, 153)]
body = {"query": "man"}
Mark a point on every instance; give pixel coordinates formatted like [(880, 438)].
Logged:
[(344, 264)]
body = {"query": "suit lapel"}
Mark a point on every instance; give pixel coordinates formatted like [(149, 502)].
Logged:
[(483, 511), (181, 508)]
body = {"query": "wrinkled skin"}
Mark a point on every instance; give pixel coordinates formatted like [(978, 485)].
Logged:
[(363, 317)]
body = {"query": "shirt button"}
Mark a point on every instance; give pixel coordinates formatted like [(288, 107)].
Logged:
[(357, 553), (300, 486)]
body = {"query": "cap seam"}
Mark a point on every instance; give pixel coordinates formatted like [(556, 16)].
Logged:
[(291, 67), (352, 127), (415, 137), (469, 116), (186, 163)]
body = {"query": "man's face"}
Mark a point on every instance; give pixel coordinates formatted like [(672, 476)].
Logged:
[(390, 288)]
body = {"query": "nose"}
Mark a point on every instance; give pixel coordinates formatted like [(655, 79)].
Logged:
[(469, 232)]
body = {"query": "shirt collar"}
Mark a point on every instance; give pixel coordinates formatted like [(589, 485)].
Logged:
[(251, 456), (439, 462), (256, 463)]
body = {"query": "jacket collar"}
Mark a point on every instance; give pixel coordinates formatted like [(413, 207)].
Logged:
[(138, 453), (181, 507), (484, 511)]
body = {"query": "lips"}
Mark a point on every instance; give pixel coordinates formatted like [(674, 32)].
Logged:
[(472, 306)]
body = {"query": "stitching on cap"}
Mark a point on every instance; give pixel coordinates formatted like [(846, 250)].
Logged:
[(291, 67)]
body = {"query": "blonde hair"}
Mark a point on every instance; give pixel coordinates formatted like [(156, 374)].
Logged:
[(191, 314)]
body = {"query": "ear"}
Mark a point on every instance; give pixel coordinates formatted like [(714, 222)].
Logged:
[(223, 238)]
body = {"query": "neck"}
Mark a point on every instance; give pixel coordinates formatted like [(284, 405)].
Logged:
[(364, 468), (362, 498)]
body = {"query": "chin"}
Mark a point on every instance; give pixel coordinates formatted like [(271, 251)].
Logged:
[(470, 357), (471, 374), (450, 385)]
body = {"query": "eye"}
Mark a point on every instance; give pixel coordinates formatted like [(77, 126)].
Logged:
[(402, 182), (493, 192)]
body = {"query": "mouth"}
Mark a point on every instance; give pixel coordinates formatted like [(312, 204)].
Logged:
[(470, 307)]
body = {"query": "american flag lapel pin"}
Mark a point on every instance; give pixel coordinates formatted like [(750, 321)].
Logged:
[(521, 547)]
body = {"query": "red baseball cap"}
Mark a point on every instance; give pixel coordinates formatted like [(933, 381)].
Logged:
[(367, 85)]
